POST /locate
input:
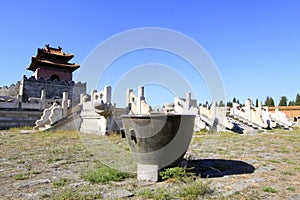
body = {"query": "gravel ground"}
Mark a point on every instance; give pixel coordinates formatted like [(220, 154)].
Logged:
[(49, 165)]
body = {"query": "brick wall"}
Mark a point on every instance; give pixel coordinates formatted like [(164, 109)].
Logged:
[(47, 74)]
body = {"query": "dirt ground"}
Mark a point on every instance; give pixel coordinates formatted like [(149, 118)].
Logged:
[(49, 165)]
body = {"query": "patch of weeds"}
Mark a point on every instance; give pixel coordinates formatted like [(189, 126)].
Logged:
[(297, 168), (45, 196), (292, 189), (178, 173), (57, 150), (288, 161), (54, 159), (21, 176), (103, 174), (28, 167), (274, 161), (156, 194), (288, 173), (269, 189), (60, 182), (21, 161), (36, 172), (195, 190), (66, 193), (201, 132), (75, 194), (285, 151)]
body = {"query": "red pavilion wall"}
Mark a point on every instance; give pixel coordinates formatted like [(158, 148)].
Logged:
[(46, 74)]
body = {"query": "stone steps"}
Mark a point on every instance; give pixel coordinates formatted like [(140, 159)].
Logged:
[(18, 118)]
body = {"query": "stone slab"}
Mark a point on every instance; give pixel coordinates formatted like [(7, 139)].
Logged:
[(117, 194)]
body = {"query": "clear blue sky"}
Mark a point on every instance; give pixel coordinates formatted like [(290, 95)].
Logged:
[(255, 44)]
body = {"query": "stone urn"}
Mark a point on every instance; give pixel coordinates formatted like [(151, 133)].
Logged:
[(157, 140)]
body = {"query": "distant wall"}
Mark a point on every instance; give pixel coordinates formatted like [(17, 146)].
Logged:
[(31, 87), (290, 111), (11, 90)]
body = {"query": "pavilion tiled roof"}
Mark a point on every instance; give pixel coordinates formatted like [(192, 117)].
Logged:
[(50, 57)]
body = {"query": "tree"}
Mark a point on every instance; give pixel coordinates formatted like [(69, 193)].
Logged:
[(292, 103), (297, 102), (283, 101), (234, 100), (229, 104), (206, 103), (221, 104), (269, 102), (256, 103)]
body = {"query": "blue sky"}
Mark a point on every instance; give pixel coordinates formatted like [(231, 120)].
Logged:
[(254, 44)]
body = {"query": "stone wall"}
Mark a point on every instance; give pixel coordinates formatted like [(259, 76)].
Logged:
[(11, 90), (30, 87)]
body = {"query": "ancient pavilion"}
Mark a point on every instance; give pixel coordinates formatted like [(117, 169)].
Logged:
[(52, 63), (52, 72)]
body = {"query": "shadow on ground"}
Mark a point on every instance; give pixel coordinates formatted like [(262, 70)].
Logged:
[(210, 168)]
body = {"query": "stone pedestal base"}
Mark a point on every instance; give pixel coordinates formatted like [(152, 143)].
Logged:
[(147, 172)]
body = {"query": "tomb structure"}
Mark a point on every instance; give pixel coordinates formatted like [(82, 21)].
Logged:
[(99, 115), (257, 117), (206, 117), (137, 104), (52, 76)]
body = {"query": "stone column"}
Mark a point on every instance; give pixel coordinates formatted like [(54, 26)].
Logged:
[(43, 100), (65, 104), (107, 94), (260, 108), (81, 98), (128, 100), (141, 97), (248, 110), (141, 93), (93, 96)]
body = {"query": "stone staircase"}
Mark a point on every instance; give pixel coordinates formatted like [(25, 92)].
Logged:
[(243, 126), (18, 118)]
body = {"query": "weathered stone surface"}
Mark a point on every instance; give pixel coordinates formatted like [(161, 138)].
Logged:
[(294, 197), (27, 184), (117, 194)]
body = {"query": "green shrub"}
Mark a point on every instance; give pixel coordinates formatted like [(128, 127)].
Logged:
[(292, 189), (60, 183), (21, 176), (175, 173), (195, 190), (103, 174), (269, 189), (288, 173), (156, 194)]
